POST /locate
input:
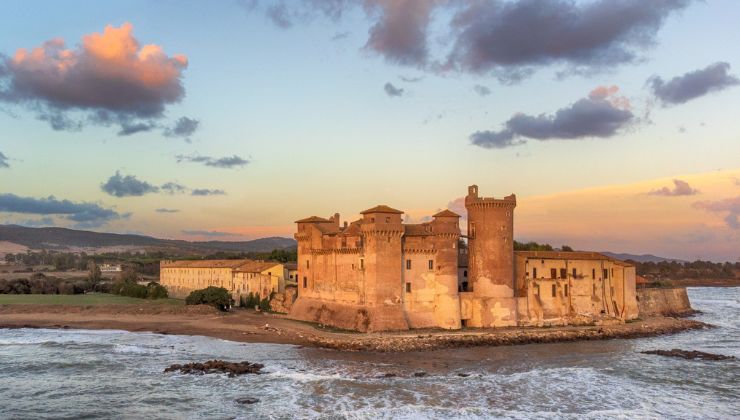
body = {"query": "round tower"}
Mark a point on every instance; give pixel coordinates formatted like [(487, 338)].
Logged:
[(490, 244)]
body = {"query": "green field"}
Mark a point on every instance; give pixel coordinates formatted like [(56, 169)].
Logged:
[(82, 300)]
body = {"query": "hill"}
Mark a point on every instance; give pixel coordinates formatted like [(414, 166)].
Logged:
[(640, 258), (63, 239)]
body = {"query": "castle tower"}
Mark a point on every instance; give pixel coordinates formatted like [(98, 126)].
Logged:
[(446, 228), (491, 257), (382, 232)]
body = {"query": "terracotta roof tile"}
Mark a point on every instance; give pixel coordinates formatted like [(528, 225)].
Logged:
[(446, 213), (382, 209), (314, 219)]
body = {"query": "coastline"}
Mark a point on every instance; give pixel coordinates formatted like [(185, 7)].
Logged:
[(253, 327)]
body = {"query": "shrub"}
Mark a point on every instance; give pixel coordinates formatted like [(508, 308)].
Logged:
[(155, 290), (214, 296)]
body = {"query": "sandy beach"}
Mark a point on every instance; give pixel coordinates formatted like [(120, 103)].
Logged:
[(255, 327)]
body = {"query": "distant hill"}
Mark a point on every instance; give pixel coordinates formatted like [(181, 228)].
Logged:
[(640, 258), (63, 239)]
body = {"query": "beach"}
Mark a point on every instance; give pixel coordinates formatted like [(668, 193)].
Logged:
[(257, 327)]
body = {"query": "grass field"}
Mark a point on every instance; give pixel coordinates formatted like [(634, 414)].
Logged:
[(81, 300)]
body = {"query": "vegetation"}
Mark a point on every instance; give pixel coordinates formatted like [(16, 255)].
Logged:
[(253, 301), (674, 270), (127, 285), (42, 284), (217, 297), (82, 300), (534, 246)]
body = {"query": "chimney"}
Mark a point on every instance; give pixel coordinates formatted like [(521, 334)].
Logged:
[(345, 224), (335, 219)]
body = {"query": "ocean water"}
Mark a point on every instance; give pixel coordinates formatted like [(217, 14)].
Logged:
[(117, 374)]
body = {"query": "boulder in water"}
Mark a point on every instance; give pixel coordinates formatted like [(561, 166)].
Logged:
[(689, 354), (218, 366), (247, 400)]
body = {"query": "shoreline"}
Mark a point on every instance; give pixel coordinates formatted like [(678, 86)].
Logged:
[(254, 327)]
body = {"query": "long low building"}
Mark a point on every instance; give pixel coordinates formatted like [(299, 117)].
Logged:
[(239, 277)]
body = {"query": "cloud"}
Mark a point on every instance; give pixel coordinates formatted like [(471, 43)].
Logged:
[(4, 161), (81, 212), (173, 188), (509, 39), (411, 79), (693, 84), (224, 162), (519, 36), (109, 73), (400, 32), (392, 91), (681, 188), (481, 90), (183, 127), (163, 210), (206, 192), (127, 186), (729, 205), (42, 222), (210, 233), (128, 128), (602, 114)]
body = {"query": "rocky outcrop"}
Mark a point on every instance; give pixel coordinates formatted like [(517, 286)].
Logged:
[(690, 355), (218, 366), (664, 302), (514, 336), (282, 302)]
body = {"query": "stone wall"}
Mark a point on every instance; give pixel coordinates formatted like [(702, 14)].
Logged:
[(666, 302)]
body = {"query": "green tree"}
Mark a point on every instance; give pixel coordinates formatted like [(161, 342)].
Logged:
[(214, 296)]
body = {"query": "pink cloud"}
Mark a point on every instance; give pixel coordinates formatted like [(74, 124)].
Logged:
[(109, 74)]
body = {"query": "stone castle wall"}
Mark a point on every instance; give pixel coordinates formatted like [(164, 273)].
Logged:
[(663, 302)]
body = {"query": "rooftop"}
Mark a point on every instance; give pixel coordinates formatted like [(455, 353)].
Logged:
[(446, 213), (382, 209), (569, 255), (314, 219)]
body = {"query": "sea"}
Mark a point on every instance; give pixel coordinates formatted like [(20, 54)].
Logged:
[(109, 374)]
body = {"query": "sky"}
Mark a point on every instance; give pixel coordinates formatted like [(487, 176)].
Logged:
[(613, 121)]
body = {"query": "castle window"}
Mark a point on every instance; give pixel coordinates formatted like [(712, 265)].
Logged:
[(554, 290), (465, 273), (553, 273), (563, 273), (408, 287), (612, 272), (593, 273), (308, 264), (305, 282), (534, 272), (408, 264), (471, 232), (606, 274), (431, 264), (575, 273), (372, 220), (565, 290), (362, 263)]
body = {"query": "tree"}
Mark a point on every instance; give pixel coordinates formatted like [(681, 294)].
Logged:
[(566, 248), (94, 274), (214, 296)]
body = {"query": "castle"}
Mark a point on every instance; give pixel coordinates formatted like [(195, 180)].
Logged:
[(378, 273)]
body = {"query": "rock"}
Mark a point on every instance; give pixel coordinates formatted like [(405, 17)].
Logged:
[(420, 374), (218, 366), (690, 355), (388, 375), (247, 400), (463, 375)]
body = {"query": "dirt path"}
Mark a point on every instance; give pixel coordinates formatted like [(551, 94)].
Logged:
[(252, 327)]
